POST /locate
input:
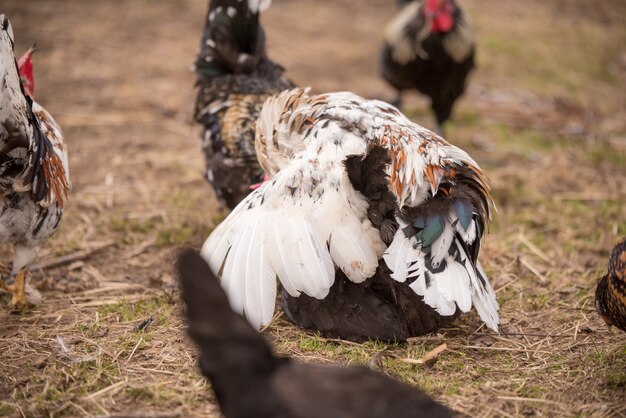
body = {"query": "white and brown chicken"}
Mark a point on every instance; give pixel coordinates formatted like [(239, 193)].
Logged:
[(34, 172), (371, 223)]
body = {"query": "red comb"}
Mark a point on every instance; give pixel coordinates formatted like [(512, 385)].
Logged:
[(441, 13), (25, 67)]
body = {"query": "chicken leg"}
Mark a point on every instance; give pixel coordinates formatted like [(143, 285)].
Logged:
[(18, 301), (18, 290)]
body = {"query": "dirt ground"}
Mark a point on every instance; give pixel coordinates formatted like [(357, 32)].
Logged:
[(545, 116)]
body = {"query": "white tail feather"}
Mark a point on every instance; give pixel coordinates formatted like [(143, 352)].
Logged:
[(397, 256), (458, 285), (485, 302), (258, 6), (439, 248)]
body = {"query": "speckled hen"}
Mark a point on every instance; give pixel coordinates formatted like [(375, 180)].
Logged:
[(34, 173), (371, 223), (235, 76), (611, 290)]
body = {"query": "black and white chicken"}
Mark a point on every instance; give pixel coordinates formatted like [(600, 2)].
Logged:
[(371, 223), (34, 172), (429, 46), (235, 77)]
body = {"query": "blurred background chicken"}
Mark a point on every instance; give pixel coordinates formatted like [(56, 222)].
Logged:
[(235, 76), (611, 290), (250, 381), (34, 173), (371, 223), (429, 46)]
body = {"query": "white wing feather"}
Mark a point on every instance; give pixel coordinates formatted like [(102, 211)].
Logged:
[(290, 228)]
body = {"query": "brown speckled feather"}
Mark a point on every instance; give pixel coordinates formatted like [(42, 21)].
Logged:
[(235, 77), (611, 291)]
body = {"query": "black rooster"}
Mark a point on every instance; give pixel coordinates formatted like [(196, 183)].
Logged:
[(234, 78), (249, 381), (429, 46)]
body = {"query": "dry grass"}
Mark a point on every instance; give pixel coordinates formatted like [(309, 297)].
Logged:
[(544, 116)]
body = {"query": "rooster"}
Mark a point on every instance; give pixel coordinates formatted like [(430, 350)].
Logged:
[(34, 172), (234, 79), (250, 381), (429, 46), (611, 290), (356, 186)]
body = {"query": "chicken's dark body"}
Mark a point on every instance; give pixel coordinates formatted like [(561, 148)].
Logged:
[(433, 71), (611, 291), (249, 381), (380, 308), (230, 96)]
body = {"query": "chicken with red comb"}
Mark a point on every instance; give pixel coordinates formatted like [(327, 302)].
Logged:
[(34, 172), (429, 46)]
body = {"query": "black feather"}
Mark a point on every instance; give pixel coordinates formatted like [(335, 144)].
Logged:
[(249, 381)]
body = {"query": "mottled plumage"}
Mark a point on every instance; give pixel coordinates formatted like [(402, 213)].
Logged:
[(249, 381), (358, 187), (611, 290), (234, 79), (429, 46), (34, 172)]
